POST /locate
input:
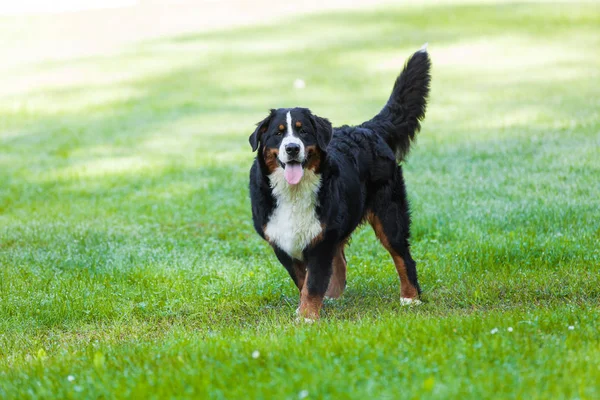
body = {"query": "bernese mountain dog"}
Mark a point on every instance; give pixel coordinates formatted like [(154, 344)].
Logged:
[(312, 185)]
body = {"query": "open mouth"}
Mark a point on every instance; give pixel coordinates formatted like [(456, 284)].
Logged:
[(292, 171)]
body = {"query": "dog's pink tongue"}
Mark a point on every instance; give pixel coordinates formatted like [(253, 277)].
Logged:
[(293, 173)]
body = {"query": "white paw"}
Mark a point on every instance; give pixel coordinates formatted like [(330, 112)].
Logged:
[(301, 320), (405, 301)]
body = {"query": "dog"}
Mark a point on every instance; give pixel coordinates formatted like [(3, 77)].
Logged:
[(312, 185)]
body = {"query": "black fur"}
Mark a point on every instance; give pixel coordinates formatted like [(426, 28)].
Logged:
[(360, 177), (260, 129), (324, 129), (399, 120)]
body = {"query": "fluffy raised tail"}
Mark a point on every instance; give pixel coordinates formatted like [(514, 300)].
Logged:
[(399, 121)]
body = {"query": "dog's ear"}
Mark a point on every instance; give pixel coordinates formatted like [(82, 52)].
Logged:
[(261, 127), (323, 130)]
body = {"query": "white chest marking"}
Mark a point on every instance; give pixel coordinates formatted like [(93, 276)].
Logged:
[(294, 223)]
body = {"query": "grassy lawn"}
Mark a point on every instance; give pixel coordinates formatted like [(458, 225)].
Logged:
[(128, 262)]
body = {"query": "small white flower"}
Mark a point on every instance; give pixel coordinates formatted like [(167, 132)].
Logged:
[(571, 327), (510, 329), (494, 331), (70, 378), (303, 394), (255, 354), (299, 84)]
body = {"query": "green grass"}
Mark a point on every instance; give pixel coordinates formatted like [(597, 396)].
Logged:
[(128, 261)]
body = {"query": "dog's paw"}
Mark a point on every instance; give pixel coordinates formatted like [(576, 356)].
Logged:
[(301, 320), (405, 301), (335, 289)]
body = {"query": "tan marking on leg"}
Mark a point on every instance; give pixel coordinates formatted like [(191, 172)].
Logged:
[(310, 305), (407, 290), (337, 283), (300, 271)]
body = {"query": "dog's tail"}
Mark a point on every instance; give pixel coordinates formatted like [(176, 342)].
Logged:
[(399, 120)]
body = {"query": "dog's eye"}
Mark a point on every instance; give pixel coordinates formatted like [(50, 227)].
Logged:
[(280, 128)]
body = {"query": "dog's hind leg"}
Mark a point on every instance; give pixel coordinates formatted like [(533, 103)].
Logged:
[(399, 250), (390, 219)]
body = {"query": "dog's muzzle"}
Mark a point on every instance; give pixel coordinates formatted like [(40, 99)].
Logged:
[(291, 158), (291, 150)]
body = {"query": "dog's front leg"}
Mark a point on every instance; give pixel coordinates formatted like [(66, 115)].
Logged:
[(318, 274)]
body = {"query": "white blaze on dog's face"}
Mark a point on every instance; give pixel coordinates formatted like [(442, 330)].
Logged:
[(291, 140), (292, 153)]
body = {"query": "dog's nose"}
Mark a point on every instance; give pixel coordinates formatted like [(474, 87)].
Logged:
[(292, 149)]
